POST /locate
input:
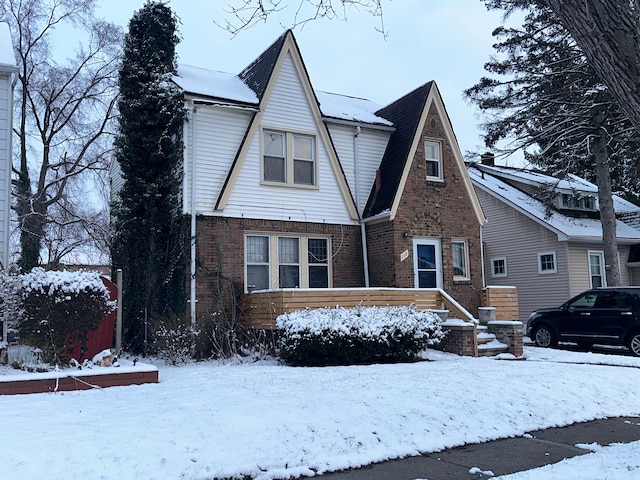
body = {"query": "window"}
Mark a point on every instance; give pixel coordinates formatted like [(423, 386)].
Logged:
[(288, 158), (288, 262), (257, 262), (547, 262), (460, 255), (432, 157), (318, 261), (578, 202), (499, 267), (279, 261), (596, 269)]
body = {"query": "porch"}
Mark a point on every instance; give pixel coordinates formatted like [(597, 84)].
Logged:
[(261, 308)]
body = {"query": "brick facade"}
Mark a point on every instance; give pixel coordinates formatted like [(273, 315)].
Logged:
[(220, 253), (429, 209)]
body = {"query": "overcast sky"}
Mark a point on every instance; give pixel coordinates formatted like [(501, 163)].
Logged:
[(442, 40)]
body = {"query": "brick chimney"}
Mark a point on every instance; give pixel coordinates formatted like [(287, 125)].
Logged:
[(488, 159)]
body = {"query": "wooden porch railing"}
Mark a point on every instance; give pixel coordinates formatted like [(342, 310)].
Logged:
[(261, 308)]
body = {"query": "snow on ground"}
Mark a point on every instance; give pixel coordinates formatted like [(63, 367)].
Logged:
[(269, 421)]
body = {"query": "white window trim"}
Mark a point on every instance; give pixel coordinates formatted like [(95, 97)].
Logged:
[(439, 160), (493, 271), (603, 272), (303, 247), (467, 276), (438, 253), (555, 263), (289, 159)]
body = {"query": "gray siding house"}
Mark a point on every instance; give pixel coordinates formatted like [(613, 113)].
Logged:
[(548, 253), (7, 69)]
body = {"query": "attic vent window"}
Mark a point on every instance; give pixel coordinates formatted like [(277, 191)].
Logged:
[(578, 202)]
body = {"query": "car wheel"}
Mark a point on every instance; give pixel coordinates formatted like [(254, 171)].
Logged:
[(544, 337), (634, 343)]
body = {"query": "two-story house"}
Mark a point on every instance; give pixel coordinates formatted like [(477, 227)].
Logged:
[(550, 250), (297, 188)]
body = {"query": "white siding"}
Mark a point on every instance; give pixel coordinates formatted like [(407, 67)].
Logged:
[(371, 148), (288, 109), (219, 134), (511, 234), (5, 167), (116, 180)]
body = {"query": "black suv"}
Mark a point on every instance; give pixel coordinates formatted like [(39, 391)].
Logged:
[(606, 316)]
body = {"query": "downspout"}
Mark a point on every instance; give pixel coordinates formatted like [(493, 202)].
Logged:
[(192, 283), (484, 283), (363, 230)]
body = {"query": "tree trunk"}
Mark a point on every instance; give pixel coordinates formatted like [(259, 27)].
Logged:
[(607, 31), (607, 212)]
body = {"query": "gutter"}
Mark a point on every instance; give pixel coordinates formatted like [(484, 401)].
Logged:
[(192, 277)]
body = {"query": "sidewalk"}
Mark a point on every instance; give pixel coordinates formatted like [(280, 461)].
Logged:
[(502, 457)]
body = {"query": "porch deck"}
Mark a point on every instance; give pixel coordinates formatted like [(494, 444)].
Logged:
[(261, 308)]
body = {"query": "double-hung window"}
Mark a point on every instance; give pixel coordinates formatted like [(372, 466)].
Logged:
[(257, 262), (318, 262), (460, 256), (288, 262), (288, 158), (433, 159)]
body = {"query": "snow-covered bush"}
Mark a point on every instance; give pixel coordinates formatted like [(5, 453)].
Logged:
[(174, 339), (59, 308), (360, 335)]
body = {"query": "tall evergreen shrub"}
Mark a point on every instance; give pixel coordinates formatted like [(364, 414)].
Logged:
[(151, 236)]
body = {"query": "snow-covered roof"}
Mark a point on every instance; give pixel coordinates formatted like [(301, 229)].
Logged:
[(567, 228), (350, 108), (7, 56), (215, 84), (227, 86), (571, 182)]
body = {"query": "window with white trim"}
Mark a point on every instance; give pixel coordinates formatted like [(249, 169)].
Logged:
[(460, 256), (547, 262), (288, 158), (433, 159), (499, 267), (597, 276), (275, 260)]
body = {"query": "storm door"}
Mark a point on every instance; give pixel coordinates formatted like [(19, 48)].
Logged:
[(426, 263)]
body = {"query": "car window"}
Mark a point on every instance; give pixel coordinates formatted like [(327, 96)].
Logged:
[(621, 300), (587, 300)]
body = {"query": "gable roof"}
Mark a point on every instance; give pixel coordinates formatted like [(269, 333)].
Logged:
[(408, 114), (493, 181), (261, 76), (405, 114)]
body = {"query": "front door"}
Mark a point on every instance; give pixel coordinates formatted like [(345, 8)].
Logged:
[(426, 263)]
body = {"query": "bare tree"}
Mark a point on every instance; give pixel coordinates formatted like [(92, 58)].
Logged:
[(64, 114), (607, 31)]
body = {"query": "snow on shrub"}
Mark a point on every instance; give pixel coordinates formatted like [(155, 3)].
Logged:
[(360, 335), (59, 308)]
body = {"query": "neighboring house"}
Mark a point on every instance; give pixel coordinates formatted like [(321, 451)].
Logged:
[(8, 68), (299, 188), (550, 253)]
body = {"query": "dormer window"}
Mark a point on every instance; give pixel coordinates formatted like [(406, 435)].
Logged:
[(577, 202), (288, 158)]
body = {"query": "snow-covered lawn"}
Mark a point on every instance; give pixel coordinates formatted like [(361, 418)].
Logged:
[(270, 421)]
